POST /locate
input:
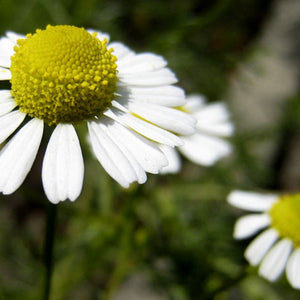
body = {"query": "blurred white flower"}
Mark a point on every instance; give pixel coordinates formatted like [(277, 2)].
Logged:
[(277, 247), (208, 144)]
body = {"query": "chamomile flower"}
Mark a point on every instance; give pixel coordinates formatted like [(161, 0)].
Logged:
[(277, 220), (65, 75), (208, 144)]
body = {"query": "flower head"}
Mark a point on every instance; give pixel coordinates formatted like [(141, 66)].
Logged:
[(65, 75), (208, 144), (277, 247)]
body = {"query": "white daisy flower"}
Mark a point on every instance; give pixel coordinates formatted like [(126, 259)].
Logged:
[(277, 247), (208, 144), (64, 75)]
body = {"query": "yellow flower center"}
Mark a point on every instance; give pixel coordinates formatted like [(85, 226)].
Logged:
[(63, 74), (285, 216)]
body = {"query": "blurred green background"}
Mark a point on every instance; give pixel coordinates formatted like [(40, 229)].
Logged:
[(170, 238)]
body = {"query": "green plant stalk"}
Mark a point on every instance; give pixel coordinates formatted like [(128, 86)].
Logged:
[(48, 247)]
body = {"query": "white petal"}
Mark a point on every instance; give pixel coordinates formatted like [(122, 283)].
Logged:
[(194, 102), (110, 143), (17, 157), (63, 167), (164, 117), (293, 269), (100, 35), (155, 78), (173, 159), (9, 123), (4, 74), (140, 174), (204, 150), (214, 119), (249, 225), (139, 63), (7, 103), (6, 51), (14, 36), (144, 128), (121, 51), (168, 95), (145, 152), (224, 129), (252, 201), (110, 156), (260, 246), (213, 113), (274, 263)]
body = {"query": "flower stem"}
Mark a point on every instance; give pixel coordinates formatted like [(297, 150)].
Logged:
[(48, 248)]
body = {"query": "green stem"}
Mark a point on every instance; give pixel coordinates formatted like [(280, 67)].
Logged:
[(48, 248)]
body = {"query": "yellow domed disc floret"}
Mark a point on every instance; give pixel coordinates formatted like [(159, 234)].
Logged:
[(63, 74), (285, 216)]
